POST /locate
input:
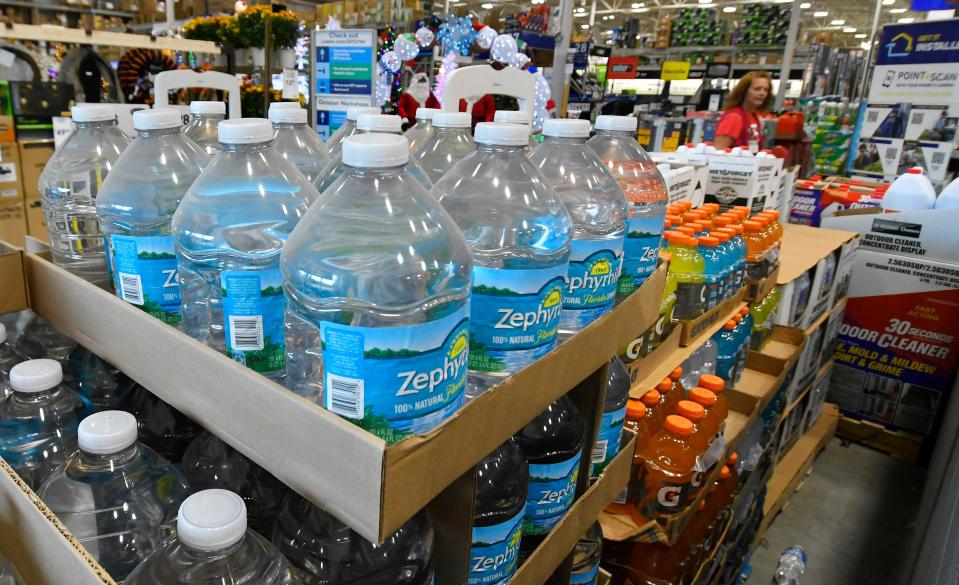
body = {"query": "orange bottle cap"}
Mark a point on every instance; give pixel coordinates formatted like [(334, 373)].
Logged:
[(708, 241), (737, 317), (752, 226), (687, 229), (698, 227), (678, 425), (685, 204), (690, 410), (702, 396), (712, 382), (672, 235), (744, 311), (729, 231), (677, 220), (741, 208), (667, 224), (733, 459), (692, 216), (702, 505), (722, 220), (773, 213), (651, 398), (676, 373), (664, 386), (635, 409), (692, 242), (730, 325), (723, 237), (724, 473), (714, 207), (707, 224)]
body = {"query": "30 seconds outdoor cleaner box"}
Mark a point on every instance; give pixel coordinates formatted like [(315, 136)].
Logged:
[(896, 350)]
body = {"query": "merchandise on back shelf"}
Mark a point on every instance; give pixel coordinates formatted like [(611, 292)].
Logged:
[(812, 201), (586, 557), (911, 191), (614, 414)]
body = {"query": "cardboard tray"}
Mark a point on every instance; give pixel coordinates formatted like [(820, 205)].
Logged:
[(372, 487), (804, 246), (758, 289), (784, 343), (695, 330), (743, 410)]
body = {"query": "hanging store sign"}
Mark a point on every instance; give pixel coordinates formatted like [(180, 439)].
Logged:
[(344, 74), (621, 67), (674, 70)]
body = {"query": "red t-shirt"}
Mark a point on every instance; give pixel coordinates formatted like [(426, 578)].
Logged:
[(741, 126)]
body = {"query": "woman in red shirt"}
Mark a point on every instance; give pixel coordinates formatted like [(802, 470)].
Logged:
[(740, 124)]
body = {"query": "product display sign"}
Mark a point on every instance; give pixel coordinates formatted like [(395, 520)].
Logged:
[(344, 75), (913, 107)]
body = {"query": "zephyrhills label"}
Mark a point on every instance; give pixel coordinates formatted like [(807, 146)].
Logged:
[(494, 551), (640, 251), (143, 269), (396, 381), (607, 440), (594, 267), (253, 308), (552, 487), (515, 316)]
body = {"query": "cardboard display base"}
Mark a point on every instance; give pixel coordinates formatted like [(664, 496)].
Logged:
[(702, 327), (758, 289), (899, 444)]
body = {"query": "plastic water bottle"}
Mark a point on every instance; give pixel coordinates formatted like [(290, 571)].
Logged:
[(69, 187), (212, 545), (8, 358), (598, 209), (161, 427), (377, 280), (713, 268), (517, 117), (210, 463), (502, 480), (419, 133), (335, 142), (40, 339), (101, 385), (792, 565), (911, 191), (371, 124), (136, 205), (296, 141), (646, 196), (728, 347), (586, 557), (228, 231), (450, 143), (118, 497), (38, 420), (610, 432), (949, 196), (324, 550), (552, 443), (519, 233), (204, 117)]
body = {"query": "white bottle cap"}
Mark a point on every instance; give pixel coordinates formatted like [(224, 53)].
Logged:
[(204, 107), (35, 375), (376, 150), (354, 113), (617, 123), (501, 133), (566, 128), (379, 123), (108, 431), (3, 333), (245, 131), (287, 115), (92, 113), (159, 119), (452, 120), (426, 113), (291, 105), (211, 520), (513, 117)]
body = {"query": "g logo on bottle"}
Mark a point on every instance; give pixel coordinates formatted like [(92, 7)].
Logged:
[(670, 496)]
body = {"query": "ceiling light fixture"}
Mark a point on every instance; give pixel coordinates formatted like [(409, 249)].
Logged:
[(729, 9), (584, 26), (906, 20), (849, 29), (888, 2), (897, 10), (838, 22), (486, 6), (637, 5), (805, 6), (864, 45), (820, 14), (861, 35)]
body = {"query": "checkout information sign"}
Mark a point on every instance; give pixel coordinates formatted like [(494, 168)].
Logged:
[(344, 75)]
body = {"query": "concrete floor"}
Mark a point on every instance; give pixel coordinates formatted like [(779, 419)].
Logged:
[(853, 516)]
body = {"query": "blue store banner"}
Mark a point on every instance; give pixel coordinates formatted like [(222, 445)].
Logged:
[(923, 5), (923, 42)]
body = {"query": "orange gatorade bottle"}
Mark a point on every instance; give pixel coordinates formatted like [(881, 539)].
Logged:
[(678, 390), (669, 400), (625, 502), (668, 462), (731, 464), (695, 413), (717, 386), (710, 425), (755, 250), (698, 533), (654, 414), (654, 564)]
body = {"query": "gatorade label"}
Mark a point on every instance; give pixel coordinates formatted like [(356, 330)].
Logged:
[(145, 269), (587, 577), (494, 551), (756, 270), (664, 498), (607, 440), (690, 300), (713, 292), (515, 316), (552, 487), (594, 267), (253, 306), (396, 381), (640, 252)]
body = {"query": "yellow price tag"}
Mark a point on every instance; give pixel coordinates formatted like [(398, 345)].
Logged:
[(674, 70)]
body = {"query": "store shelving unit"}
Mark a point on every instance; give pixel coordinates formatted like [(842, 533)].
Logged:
[(30, 32)]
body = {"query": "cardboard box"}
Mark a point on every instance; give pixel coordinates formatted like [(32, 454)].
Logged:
[(13, 221), (372, 487), (812, 202), (696, 329), (896, 349), (741, 180), (7, 131), (683, 182), (34, 155)]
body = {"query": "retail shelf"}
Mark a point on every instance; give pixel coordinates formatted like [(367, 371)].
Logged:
[(69, 9), (30, 32)]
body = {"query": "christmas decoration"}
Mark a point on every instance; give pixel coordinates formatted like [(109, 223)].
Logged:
[(457, 34), (519, 60), (417, 95), (406, 47), (485, 37), (332, 23), (503, 49), (425, 36), (540, 99), (390, 61), (447, 65)]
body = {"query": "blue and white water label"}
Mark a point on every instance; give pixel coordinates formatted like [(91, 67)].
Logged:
[(587, 577), (253, 307), (515, 316), (144, 273), (396, 381), (640, 251), (607, 440), (494, 551), (594, 267), (552, 487)]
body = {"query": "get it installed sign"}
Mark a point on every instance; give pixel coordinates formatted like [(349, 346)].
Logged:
[(344, 75), (917, 64)]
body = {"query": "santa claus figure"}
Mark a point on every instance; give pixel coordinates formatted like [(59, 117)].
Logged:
[(417, 95)]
